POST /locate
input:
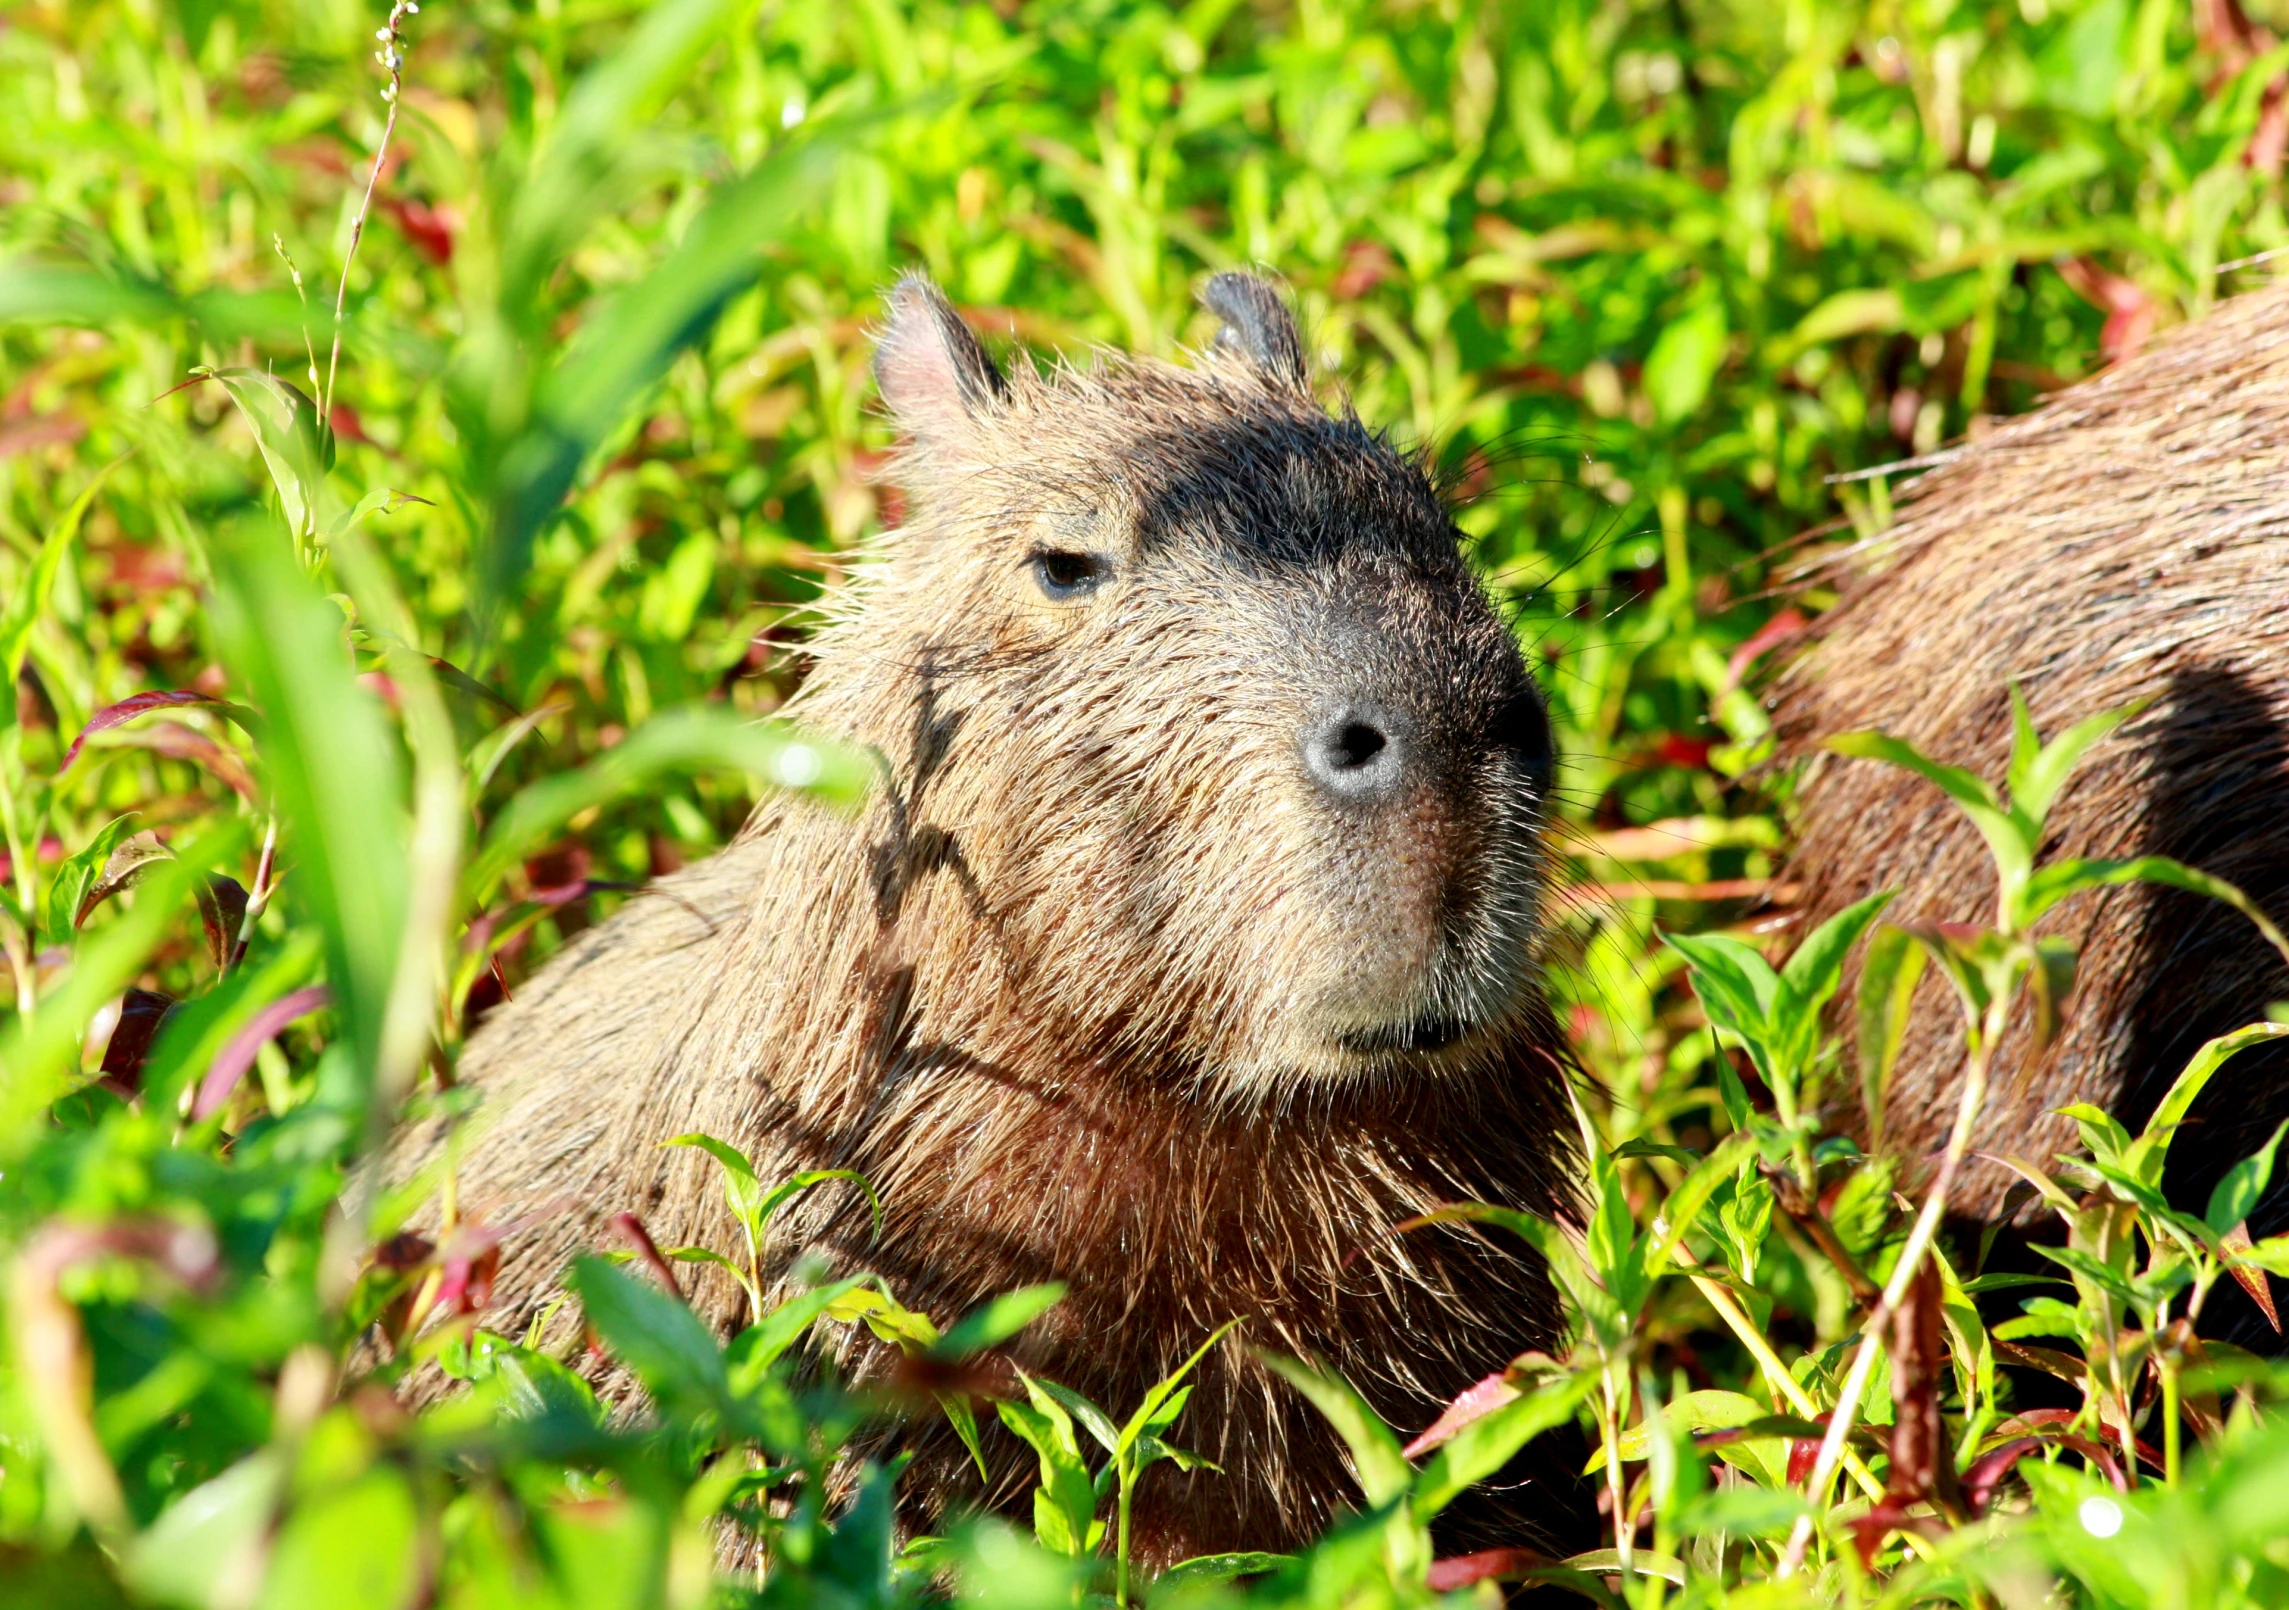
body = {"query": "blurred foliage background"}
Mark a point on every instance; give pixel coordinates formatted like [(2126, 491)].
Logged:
[(1655, 284)]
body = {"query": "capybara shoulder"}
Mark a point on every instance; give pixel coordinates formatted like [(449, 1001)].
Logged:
[(2128, 540)]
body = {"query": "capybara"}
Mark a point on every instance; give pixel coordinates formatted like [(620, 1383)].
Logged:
[(1186, 948), (2128, 539)]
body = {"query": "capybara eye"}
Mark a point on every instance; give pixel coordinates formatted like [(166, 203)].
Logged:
[(1063, 575)]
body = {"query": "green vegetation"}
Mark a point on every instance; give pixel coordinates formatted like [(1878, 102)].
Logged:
[(357, 660)]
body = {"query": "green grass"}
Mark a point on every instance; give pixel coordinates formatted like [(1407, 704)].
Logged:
[(1643, 278)]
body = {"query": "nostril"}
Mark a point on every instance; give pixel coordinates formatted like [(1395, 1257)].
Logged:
[(1355, 745), (1356, 754)]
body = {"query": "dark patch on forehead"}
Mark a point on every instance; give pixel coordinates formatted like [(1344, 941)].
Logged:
[(1199, 458), (1287, 487)]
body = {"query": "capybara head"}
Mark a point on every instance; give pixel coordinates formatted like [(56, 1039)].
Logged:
[(1183, 954), (1247, 770)]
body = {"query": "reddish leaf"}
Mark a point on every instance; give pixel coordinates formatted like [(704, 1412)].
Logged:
[(1461, 1570), (647, 1251), (1789, 623), (1482, 1399), (42, 430), (141, 1014), (406, 1250), (2130, 312), (129, 860), (126, 710), (2223, 28), (2049, 1360), (1988, 1471), (222, 912), (2269, 141), (1675, 749), (2253, 1280), (1870, 1530), (429, 229), (178, 742), (2032, 1420), (470, 1259), (234, 1059), (1803, 1456)]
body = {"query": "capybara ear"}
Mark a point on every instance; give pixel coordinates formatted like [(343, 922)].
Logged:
[(933, 374), (1258, 328)]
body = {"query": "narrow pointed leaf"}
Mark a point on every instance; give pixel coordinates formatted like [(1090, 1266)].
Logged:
[(1382, 1470), (2145, 1155), (2036, 784), (1889, 974)]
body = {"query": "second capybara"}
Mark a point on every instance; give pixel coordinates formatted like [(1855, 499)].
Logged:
[(1187, 947), (2128, 539)]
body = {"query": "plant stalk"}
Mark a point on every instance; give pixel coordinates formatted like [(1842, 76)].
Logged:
[(1847, 1410)]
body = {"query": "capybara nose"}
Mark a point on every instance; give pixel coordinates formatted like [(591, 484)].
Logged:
[(1359, 753)]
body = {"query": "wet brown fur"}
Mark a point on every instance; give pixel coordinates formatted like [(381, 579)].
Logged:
[(1070, 993), (2128, 539)]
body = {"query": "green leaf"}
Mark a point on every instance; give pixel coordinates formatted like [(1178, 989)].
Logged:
[(2051, 982), (1085, 1414), (610, 107), (1485, 1445), (2108, 1141), (42, 293), (2055, 882), (532, 1386), (2146, 1155), (1889, 974), (332, 765), (996, 1320), (1158, 1409), (1844, 313), (1738, 990), (629, 345), (2244, 1185), (1816, 967), (356, 1547), (1065, 1504), (1685, 360), (286, 432), (1742, 980), (40, 1053), (655, 1335), (811, 1179), (199, 1543), (30, 601), (692, 738), (67, 890), (741, 1188), (2106, 1279), (2039, 771), (964, 1420), (1683, 1208), (1982, 964), (1376, 1462), (1611, 1243), (1219, 1568), (2008, 842), (2081, 69)]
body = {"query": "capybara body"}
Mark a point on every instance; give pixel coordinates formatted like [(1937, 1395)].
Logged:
[(1185, 949), (2129, 539)]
